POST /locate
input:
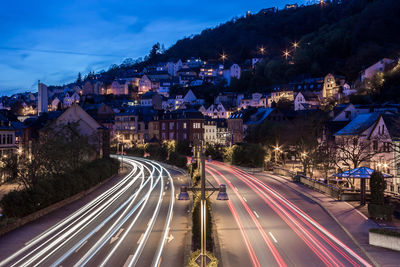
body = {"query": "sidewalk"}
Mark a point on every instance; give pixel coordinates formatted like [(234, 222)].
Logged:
[(352, 221)]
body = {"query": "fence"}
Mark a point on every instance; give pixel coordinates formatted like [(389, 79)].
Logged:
[(321, 187)]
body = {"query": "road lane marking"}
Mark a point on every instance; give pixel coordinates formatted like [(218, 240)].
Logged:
[(170, 238), (166, 187), (163, 193), (236, 189), (245, 200), (115, 238), (273, 237), (80, 246), (255, 213), (128, 260), (140, 239)]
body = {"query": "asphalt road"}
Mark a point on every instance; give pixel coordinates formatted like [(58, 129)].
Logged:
[(129, 224), (266, 223)]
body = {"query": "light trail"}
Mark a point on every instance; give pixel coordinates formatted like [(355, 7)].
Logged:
[(270, 245), (95, 215), (249, 247), (317, 228)]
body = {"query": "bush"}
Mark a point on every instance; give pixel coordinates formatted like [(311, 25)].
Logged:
[(196, 225), (377, 211), (177, 160), (157, 152), (377, 185), (383, 231), (247, 155), (137, 151), (49, 191), (214, 151)]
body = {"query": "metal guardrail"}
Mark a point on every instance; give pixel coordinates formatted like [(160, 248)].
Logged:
[(322, 187), (310, 182)]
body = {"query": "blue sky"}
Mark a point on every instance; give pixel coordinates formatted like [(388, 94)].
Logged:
[(54, 40)]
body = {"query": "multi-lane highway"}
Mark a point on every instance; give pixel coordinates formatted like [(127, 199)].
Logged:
[(265, 223), (127, 225)]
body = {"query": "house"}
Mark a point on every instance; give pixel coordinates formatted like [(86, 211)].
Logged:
[(379, 67), (119, 87), (369, 135), (332, 86), (392, 123), (144, 85), (70, 99), (210, 131), (233, 72), (306, 100), (151, 99), (240, 121), (98, 135), (256, 100), (277, 95), (7, 137), (215, 111), (182, 125)]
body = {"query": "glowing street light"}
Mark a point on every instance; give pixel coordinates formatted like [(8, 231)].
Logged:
[(223, 57), (295, 45), (262, 50), (286, 54), (277, 150)]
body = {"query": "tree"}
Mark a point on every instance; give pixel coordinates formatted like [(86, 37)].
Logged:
[(378, 186), (154, 52), (352, 151), (79, 79), (61, 149), (326, 158)]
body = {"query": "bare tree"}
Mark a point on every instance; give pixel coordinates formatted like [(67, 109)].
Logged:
[(352, 151)]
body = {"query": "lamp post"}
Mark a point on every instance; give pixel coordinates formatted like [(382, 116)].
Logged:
[(183, 195), (276, 149)]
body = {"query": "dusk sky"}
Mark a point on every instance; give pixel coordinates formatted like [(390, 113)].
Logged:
[(54, 40)]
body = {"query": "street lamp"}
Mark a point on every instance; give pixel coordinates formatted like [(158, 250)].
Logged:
[(223, 57), (183, 195), (262, 50), (276, 149), (295, 45), (286, 54)]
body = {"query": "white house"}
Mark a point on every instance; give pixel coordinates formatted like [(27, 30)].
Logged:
[(216, 112), (71, 99), (377, 68), (144, 84), (280, 94), (210, 132), (256, 100), (306, 100)]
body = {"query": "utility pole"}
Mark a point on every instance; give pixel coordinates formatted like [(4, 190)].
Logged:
[(203, 207), (203, 203)]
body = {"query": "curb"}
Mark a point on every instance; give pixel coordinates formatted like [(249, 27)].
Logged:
[(336, 220)]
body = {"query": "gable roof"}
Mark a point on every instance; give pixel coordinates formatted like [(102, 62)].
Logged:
[(359, 124), (392, 123)]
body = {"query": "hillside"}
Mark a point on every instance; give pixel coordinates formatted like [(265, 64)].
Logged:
[(341, 38)]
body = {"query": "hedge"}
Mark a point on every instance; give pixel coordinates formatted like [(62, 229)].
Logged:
[(196, 225), (46, 192), (383, 231), (377, 211)]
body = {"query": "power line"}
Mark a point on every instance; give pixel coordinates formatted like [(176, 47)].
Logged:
[(50, 51)]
